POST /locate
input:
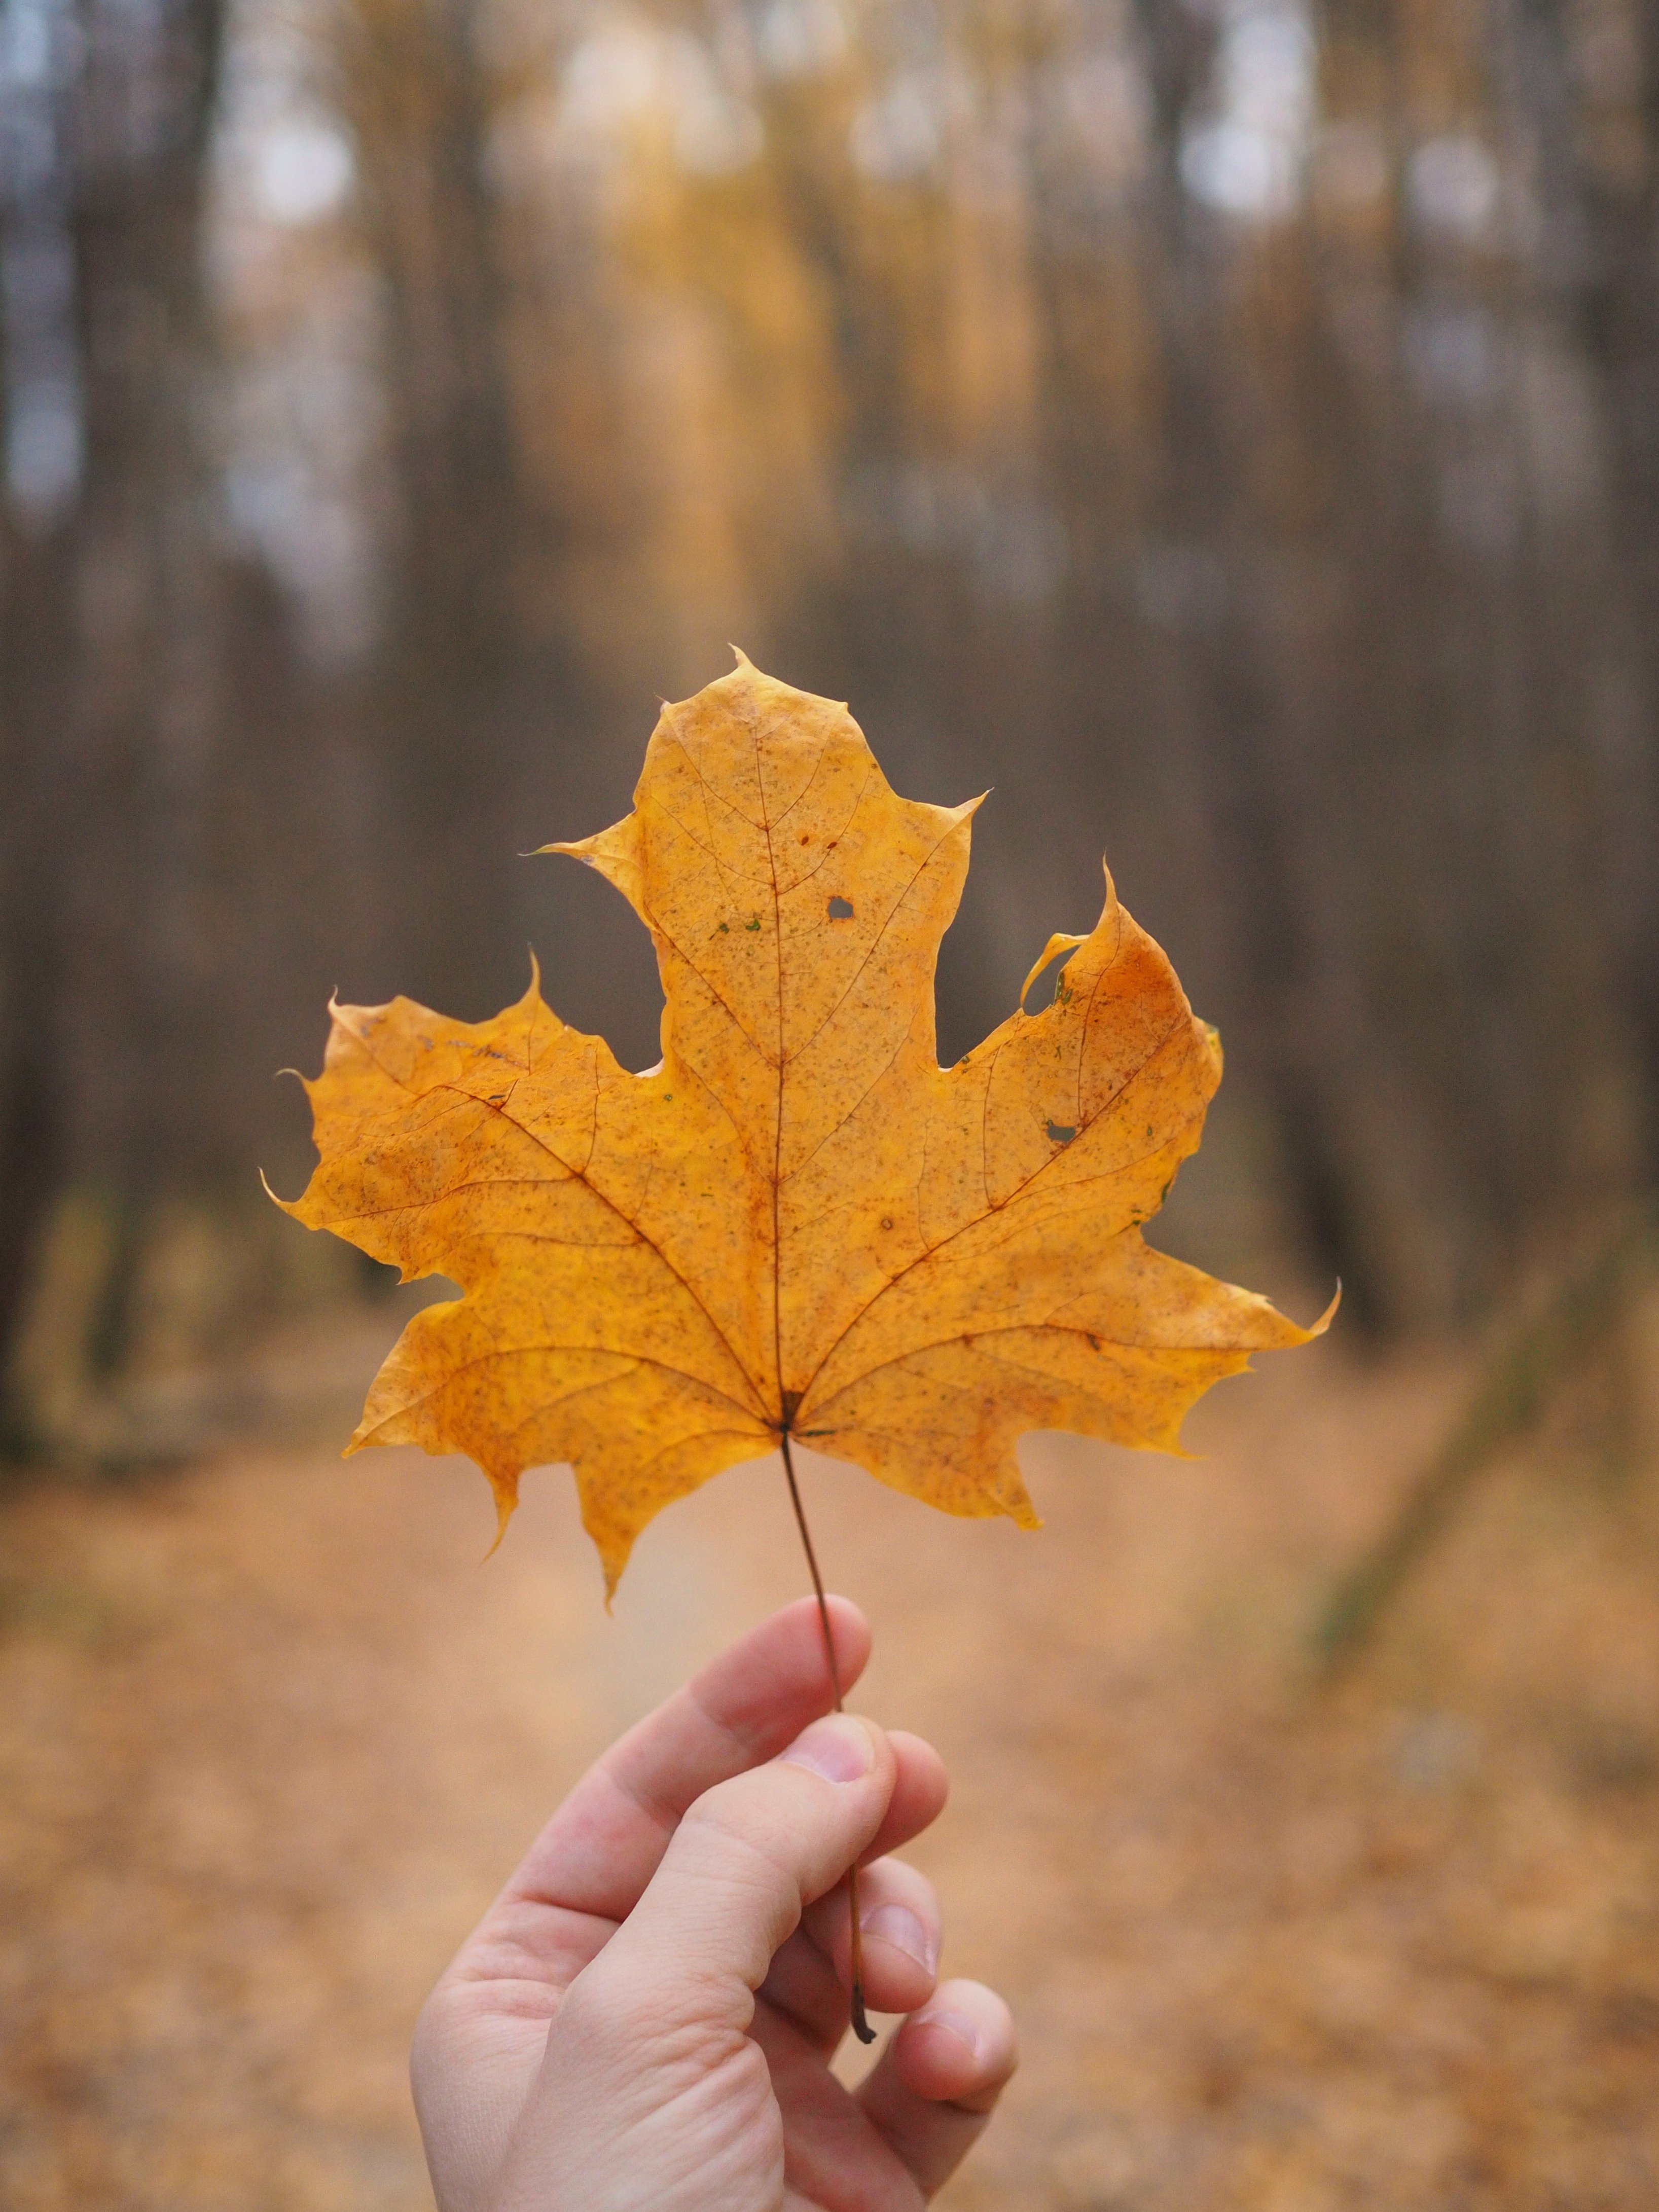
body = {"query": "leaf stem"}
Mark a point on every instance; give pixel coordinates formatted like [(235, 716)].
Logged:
[(861, 2026)]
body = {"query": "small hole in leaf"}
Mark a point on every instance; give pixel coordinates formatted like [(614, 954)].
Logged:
[(1047, 985), (840, 909), (886, 1220), (1059, 1135)]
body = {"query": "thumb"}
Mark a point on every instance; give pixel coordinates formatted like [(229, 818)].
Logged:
[(743, 1863)]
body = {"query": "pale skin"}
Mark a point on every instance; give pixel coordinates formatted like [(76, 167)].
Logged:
[(643, 2019)]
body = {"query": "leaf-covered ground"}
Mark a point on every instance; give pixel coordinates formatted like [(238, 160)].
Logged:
[(270, 1735)]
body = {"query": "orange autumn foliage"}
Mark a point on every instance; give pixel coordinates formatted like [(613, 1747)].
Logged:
[(798, 1223)]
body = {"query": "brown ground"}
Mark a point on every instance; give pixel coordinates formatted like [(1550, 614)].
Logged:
[(269, 1736)]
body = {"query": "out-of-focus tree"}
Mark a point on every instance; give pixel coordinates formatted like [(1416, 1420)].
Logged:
[(410, 87), (116, 677), (1584, 80)]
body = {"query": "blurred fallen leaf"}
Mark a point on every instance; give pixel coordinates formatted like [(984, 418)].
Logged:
[(798, 1224)]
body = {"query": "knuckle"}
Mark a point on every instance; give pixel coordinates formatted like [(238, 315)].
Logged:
[(607, 2013), (776, 1827), (751, 1815), (746, 1847)]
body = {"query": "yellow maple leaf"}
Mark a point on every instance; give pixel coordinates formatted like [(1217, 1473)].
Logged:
[(797, 1224)]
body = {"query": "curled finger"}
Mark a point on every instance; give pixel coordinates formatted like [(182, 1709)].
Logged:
[(899, 1919), (934, 2087)]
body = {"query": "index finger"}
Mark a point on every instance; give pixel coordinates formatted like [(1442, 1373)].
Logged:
[(604, 1842)]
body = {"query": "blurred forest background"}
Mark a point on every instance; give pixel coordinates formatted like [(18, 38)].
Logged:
[(1229, 428)]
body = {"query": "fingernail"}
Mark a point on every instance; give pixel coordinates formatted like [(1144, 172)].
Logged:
[(898, 1925), (838, 1747), (958, 2024)]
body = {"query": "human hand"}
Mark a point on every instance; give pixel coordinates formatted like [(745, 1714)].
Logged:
[(643, 2019)]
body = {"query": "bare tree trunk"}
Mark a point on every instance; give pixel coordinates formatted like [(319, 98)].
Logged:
[(33, 847), (114, 949), (452, 672), (1588, 86), (144, 942)]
